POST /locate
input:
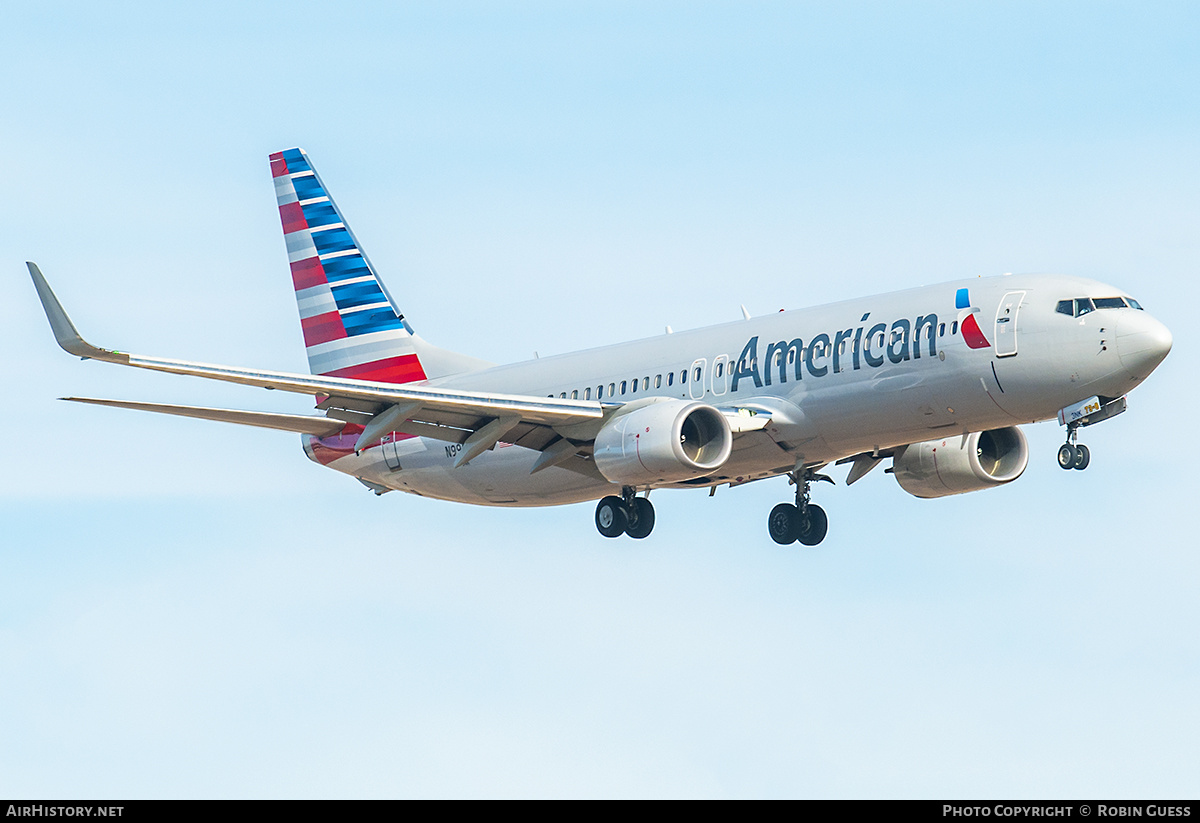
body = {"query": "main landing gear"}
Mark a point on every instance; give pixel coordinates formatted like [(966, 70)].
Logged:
[(626, 514), (1072, 455), (803, 522)]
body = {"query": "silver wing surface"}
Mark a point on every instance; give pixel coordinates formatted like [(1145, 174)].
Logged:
[(475, 419)]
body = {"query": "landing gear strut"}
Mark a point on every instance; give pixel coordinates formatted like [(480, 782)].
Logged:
[(803, 522), (1072, 455), (627, 514)]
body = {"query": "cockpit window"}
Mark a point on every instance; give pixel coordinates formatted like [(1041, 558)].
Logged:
[(1085, 305)]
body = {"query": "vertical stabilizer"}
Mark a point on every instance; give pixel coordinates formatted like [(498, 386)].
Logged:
[(351, 326)]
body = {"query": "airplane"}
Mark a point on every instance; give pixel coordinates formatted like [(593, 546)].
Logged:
[(936, 379)]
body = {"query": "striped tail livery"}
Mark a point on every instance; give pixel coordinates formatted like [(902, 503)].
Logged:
[(351, 326)]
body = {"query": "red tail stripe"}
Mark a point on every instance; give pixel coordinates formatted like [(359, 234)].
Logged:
[(292, 217), (278, 165), (322, 328), (307, 273), (403, 369)]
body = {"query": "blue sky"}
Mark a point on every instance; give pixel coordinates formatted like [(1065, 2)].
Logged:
[(193, 609)]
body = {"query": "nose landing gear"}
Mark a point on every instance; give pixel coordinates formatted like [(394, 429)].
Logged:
[(627, 514), (803, 522), (1072, 455)]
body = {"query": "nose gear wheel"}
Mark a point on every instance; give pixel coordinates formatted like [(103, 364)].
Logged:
[(1072, 455)]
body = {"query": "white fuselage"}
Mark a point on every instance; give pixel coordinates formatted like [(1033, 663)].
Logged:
[(835, 380)]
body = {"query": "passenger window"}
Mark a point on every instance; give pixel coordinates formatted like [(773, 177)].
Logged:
[(720, 369), (954, 328), (623, 387), (696, 374), (587, 393), (645, 384), (563, 395), (671, 379), (683, 377), (658, 381), (612, 389), (1083, 305), (575, 394), (600, 392), (942, 330)]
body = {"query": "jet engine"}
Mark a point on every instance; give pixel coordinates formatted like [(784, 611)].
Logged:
[(665, 441), (937, 468)]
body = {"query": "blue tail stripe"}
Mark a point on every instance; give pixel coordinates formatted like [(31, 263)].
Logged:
[(357, 294), (343, 268), (366, 321), (296, 161), (320, 214), (307, 188), (328, 242)]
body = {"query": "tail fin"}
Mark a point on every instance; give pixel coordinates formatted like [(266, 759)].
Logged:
[(351, 326)]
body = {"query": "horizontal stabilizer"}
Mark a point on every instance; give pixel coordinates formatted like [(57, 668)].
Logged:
[(299, 423)]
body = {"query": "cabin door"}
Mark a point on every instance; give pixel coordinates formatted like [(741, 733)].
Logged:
[(1006, 324)]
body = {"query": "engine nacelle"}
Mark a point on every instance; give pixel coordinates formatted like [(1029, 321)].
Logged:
[(666, 441), (937, 468)]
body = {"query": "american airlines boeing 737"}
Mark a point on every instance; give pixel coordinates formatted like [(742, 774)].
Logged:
[(935, 379)]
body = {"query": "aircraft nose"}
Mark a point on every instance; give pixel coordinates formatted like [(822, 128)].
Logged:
[(1142, 343)]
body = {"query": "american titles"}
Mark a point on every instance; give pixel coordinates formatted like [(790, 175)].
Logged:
[(848, 349)]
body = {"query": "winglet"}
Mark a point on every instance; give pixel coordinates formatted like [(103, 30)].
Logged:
[(64, 330)]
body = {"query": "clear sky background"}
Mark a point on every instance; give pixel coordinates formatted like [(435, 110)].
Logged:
[(193, 609)]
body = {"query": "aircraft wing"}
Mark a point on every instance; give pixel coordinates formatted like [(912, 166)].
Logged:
[(475, 419)]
